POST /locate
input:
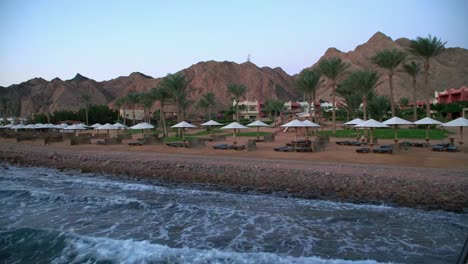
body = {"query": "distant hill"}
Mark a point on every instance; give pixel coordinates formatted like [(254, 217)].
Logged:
[(449, 69)]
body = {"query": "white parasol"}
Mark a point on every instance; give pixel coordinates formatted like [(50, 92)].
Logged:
[(371, 123), (143, 126), (96, 125), (120, 126), (459, 122), (183, 125), (107, 127), (235, 126), (210, 124), (394, 122), (307, 124), (355, 121), (295, 124), (258, 124), (428, 122)]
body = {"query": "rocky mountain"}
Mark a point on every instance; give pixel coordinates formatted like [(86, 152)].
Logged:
[(449, 69), (262, 83)]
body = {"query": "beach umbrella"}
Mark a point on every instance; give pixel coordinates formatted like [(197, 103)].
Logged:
[(354, 122), (46, 126), (75, 127), (32, 126), (394, 122), (61, 126), (107, 127), (371, 123), (210, 124), (295, 124), (235, 126), (258, 124), (143, 126), (307, 124), (96, 125), (428, 122), (183, 125), (120, 126), (459, 122)]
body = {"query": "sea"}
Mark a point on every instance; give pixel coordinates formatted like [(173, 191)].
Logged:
[(51, 216)]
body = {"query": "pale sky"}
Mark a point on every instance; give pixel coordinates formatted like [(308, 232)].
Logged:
[(104, 39)]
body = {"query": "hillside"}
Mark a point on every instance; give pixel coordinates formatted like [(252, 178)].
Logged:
[(449, 69)]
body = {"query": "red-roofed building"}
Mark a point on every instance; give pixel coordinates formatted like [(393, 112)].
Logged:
[(452, 95)]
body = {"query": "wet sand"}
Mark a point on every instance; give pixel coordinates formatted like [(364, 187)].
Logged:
[(416, 177)]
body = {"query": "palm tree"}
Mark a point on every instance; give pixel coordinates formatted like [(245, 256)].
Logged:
[(162, 95), (133, 99), (332, 68), (176, 85), (413, 69), (87, 101), (426, 49), (47, 104), (363, 83), (4, 101), (147, 101), (389, 60), (274, 107), (307, 83), (120, 103), (207, 101), (237, 91), (352, 100)]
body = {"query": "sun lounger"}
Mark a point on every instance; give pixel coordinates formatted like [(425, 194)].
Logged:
[(284, 149), (451, 149), (363, 150), (444, 147), (438, 148), (241, 147), (176, 144), (222, 146), (350, 143), (346, 143), (419, 144), (383, 149)]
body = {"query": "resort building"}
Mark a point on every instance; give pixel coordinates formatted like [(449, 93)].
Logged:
[(128, 114), (251, 110), (294, 108), (452, 95)]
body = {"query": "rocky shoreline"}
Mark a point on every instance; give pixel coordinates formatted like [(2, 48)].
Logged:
[(432, 189)]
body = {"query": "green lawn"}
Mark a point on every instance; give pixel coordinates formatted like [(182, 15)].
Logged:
[(388, 133)]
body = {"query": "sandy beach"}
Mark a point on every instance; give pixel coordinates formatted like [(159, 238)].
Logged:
[(417, 177)]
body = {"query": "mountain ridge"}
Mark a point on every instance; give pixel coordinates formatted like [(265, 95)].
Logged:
[(448, 70)]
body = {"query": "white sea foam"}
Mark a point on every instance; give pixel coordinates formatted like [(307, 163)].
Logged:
[(85, 249)]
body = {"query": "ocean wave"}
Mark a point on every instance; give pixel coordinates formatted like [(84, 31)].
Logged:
[(87, 249)]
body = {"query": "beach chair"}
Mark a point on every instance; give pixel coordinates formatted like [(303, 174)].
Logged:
[(441, 147), (363, 150), (304, 149), (342, 143), (383, 149), (223, 146), (241, 147), (284, 149), (176, 144), (451, 149)]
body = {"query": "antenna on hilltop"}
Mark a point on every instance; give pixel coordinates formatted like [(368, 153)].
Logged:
[(248, 57)]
